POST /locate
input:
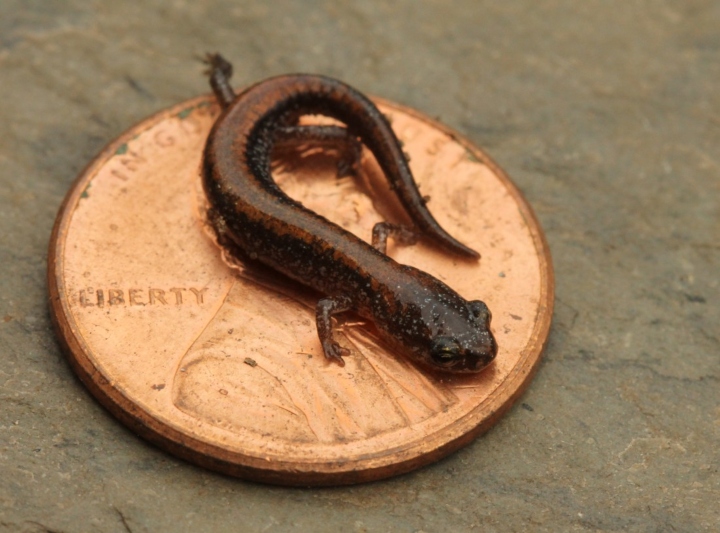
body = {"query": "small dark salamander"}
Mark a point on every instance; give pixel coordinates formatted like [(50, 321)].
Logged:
[(416, 314)]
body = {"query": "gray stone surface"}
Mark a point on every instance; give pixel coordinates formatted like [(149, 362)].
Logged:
[(606, 114)]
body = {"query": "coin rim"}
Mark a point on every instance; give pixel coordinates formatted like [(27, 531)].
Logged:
[(389, 462)]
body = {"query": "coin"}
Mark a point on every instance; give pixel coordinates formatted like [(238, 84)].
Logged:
[(220, 364)]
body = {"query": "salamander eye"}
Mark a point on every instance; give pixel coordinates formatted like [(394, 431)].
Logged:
[(445, 351), (480, 311)]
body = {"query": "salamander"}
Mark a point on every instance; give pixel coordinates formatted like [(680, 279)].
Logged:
[(416, 314)]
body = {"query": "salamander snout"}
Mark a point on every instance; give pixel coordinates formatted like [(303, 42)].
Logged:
[(475, 359), (453, 355)]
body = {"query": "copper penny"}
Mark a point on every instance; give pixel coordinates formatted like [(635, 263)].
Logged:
[(221, 365)]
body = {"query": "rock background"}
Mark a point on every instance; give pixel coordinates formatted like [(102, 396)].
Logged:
[(606, 114)]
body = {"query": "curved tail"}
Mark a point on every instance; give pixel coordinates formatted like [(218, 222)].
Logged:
[(310, 94)]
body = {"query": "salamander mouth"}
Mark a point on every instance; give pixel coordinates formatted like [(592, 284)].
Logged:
[(476, 361), (457, 359), (473, 364)]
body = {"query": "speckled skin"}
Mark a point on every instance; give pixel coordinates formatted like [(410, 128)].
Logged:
[(415, 313)]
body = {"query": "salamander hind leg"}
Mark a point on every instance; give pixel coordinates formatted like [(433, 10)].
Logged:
[(220, 71), (381, 231), (348, 146), (323, 312)]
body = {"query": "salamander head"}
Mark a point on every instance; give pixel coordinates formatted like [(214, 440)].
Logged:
[(465, 342), (423, 318)]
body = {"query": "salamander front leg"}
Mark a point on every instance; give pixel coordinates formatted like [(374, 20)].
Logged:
[(381, 231), (323, 314), (337, 137)]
